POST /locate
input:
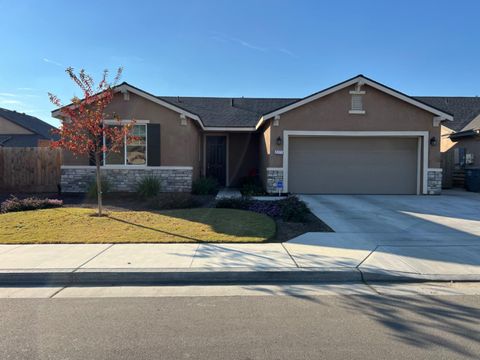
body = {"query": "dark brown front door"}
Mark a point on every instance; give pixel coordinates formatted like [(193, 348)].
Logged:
[(216, 158)]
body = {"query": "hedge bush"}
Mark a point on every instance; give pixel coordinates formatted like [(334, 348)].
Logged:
[(291, 209), (205, 186), (32, 203)]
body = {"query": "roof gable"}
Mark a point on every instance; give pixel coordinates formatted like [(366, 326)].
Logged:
[(355, 80), (28, 122)]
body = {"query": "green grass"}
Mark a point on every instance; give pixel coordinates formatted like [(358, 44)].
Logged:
[(78, 225)]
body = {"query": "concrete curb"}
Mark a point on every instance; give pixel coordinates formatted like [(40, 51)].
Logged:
[(395, 276), (206, 276), (99, 277)]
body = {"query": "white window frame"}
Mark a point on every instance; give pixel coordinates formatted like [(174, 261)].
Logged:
[(110, 122)]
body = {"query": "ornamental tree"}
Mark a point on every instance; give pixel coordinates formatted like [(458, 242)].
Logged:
[(82, 130)]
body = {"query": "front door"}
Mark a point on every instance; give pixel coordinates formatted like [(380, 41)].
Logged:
[(216, 158)]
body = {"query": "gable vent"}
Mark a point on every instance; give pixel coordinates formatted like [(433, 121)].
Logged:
[(357, 100), (357, 103)]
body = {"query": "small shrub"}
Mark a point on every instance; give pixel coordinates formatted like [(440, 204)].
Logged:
[(250, 189), (32, 203), (234, 203), (293, 209), (170, 201), (149, 186), (92, 188), (251, 186), (205, 186), (270, 208)]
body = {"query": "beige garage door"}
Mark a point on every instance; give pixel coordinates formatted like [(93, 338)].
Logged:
[(352, 165)]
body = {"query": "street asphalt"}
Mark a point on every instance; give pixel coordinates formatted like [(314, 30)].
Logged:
[(302, 325)]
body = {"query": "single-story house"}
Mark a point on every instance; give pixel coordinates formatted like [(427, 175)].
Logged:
[(460, 144), (22, 130), (356, 137)]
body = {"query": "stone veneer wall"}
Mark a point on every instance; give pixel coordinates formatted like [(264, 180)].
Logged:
[(434, 181), (273, 175), (173, 179)]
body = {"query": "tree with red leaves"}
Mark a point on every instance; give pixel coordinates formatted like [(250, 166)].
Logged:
[(82, 130)]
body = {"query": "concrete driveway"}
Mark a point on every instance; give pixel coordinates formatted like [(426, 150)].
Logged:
[(419, 235), (452, 213)]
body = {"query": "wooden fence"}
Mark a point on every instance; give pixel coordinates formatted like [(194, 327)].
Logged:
[(34, 169)]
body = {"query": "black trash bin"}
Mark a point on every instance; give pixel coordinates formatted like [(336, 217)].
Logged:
[(472, 179)]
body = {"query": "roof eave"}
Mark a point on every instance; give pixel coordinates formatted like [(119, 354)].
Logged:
[(57, 113)]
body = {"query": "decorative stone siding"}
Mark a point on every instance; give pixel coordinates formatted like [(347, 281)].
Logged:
[(434, 181), (173, 179), (273, 175)]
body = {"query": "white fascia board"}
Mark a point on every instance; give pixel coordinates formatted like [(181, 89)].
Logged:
[(351, 82), (212, 128)]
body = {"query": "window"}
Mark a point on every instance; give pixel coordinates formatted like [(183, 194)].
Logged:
[(133, 152), (137, 149)]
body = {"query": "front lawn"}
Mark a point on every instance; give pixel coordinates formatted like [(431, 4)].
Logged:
[(77, 225)]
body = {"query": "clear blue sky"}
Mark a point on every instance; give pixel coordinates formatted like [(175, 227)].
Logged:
[(237, 48)]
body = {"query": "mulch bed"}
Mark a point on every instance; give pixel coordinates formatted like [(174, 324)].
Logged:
[(289, 230)]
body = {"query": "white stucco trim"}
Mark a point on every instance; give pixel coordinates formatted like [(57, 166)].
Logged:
[(125, 121), (126, 167), (214, 129), (351, 82), (423, 152)]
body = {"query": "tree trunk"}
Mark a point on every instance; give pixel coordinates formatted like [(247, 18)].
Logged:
[(99, 184)]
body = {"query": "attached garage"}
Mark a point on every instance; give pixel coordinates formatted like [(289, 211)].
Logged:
[(354, 164)]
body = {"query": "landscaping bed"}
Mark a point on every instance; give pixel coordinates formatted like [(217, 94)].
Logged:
[(292, 216), (165, 217)]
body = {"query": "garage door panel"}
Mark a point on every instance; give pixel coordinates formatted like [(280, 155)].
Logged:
[(347, 165)]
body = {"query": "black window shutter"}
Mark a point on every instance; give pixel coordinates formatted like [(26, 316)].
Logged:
[(153, 144)]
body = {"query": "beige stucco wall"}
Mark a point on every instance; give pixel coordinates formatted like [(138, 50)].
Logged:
[(472, 146), (330, 113), (10, 128), (179, 144)]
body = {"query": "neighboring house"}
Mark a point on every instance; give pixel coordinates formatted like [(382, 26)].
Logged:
[(460, 144), (356, 137), (21, 130)]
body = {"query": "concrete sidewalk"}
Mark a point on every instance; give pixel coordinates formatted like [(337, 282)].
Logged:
[(310, 257)]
